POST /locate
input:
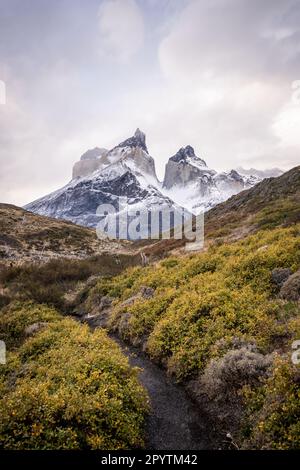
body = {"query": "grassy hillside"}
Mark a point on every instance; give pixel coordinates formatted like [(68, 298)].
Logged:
[(223, 321), (65, 387), (57, 281), (25, 236)]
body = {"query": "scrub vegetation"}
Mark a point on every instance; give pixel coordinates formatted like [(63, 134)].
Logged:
[(65, 387), (223, 324)]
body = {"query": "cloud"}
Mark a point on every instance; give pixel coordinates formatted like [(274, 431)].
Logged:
[(2, 92), (234, 37), (121, 27), (229, 66)]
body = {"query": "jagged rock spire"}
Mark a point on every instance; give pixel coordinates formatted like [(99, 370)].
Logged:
[(140, 136), (183, 168), (186, 153), (137, 140)]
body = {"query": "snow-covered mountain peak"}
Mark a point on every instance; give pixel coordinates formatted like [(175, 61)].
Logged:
[(137, 140), (187, 155), (132, 150), (140, 137), (90, 161), (261, 174), (185, 167)]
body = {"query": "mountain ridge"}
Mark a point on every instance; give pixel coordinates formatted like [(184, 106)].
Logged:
[(128, 170)]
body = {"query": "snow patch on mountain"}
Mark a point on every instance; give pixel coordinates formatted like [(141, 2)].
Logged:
[(261, 174), (191, 183)]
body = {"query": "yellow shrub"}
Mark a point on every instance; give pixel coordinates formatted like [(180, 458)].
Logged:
[(68, 388)]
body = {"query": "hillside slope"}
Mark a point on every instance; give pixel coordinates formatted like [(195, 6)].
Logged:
[(25, 236), (272, 202)]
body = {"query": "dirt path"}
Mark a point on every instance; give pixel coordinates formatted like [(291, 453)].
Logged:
[(175, 422)]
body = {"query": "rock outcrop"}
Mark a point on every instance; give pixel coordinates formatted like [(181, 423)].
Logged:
[(92, 160)]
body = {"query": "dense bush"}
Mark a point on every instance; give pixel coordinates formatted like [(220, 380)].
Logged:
[(219, 388), (15, 319), (202, 298), (291, 288), (224, 376), (274, 409), (66, 387)]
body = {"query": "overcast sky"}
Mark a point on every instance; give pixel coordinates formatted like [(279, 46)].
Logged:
[(217, 75)]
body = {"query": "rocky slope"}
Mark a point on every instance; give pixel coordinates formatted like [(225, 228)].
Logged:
[(272, 202)]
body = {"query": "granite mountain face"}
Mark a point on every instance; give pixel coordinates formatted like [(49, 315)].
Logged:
[(191, 183), (128, 170)]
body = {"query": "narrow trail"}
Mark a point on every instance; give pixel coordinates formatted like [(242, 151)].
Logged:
[(175, 422)]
